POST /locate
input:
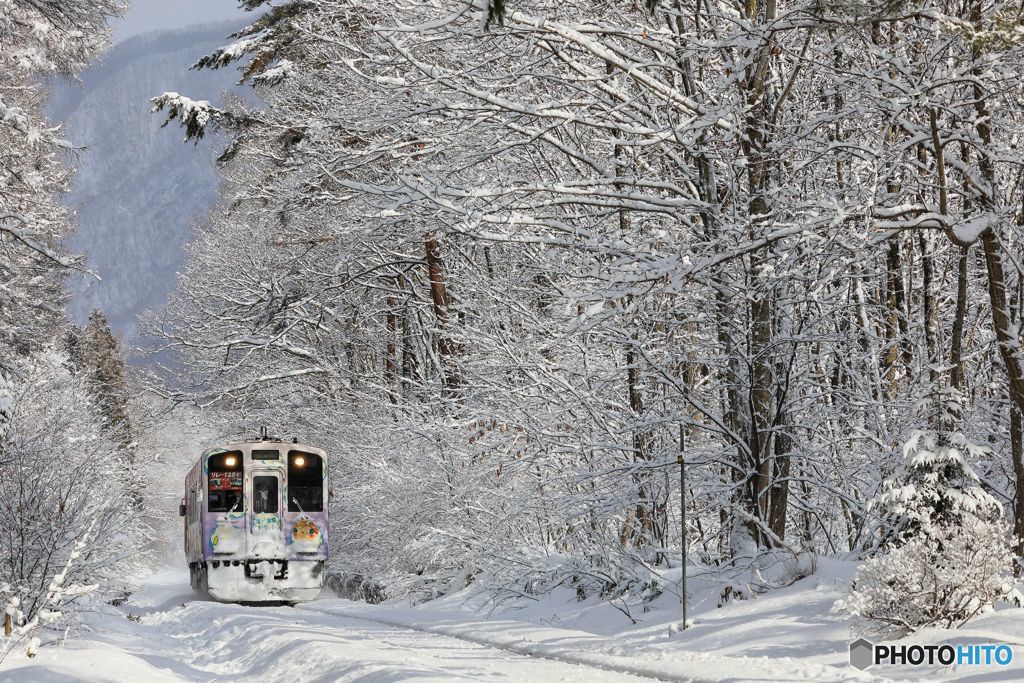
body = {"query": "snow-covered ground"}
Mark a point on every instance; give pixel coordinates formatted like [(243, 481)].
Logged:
[(165, 633)]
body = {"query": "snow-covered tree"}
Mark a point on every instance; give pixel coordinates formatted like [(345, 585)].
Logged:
[(935, 489), (37, 40), (62, 475), (944, 552), (99, 360), (68, 529), (528, 255)]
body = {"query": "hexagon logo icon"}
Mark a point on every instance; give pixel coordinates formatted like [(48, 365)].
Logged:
[(862, 653)]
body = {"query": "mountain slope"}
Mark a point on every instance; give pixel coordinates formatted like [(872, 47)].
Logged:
[(138, 190)]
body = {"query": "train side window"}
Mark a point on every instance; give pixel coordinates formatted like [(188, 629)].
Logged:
[(305, 482), (264, 494), (225, 482)]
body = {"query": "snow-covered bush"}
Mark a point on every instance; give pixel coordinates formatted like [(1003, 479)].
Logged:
[(58, 594), (62, 480), (944, 548), (921, 584)]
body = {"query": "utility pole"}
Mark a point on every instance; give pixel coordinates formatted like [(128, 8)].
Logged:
[(681, 459)]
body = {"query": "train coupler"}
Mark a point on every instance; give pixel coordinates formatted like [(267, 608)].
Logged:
[(258, 569)]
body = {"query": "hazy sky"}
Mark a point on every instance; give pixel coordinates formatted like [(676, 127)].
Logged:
[(152, 15)]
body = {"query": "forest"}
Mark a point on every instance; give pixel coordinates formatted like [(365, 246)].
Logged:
[(509, 261)]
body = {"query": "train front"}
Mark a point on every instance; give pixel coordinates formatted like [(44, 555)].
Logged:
[(265, 522)]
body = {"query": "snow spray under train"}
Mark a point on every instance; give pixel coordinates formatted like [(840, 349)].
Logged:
[(256, 521)]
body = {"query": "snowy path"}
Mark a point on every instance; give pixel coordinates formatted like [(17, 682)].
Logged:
[(165, 633), (179, 638)]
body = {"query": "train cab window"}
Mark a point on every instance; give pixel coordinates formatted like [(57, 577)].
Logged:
[(305, 482), (225, 477), (264, 495)]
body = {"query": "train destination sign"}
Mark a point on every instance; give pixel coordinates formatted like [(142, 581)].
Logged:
[(225, 481)]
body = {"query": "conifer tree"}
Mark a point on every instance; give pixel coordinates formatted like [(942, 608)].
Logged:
[(945, 553), (104, 367), (94, 354)]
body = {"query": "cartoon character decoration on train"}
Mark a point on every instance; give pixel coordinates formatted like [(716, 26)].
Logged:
[(306, 534), (228, 536)]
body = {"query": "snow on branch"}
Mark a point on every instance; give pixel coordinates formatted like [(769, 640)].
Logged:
[(193, 115), (14, 224), (225, 55), (13, 117)]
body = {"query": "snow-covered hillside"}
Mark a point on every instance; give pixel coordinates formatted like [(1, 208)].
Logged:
[(138, 189)]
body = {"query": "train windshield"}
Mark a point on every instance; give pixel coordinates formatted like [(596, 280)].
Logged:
[(225, 477), (305, 482), (264, 494)]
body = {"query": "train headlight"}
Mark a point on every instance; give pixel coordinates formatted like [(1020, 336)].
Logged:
[(229, 461), (299, 461)]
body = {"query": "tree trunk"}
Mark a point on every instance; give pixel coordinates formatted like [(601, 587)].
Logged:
[(450, 379), (1017, 454), (956, 377), (928, 311), (754, 142), (898, 301), (409, 363), (1009, 345), (1006, 333), (780, 486), (897, 324), (391, 350), (643, 516)]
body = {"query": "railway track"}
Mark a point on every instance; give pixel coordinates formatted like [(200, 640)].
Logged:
[(589, 660)]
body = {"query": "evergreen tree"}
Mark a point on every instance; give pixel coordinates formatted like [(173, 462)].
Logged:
[(934, 489), (945, 547), (104, 368), (94, 355)]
